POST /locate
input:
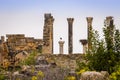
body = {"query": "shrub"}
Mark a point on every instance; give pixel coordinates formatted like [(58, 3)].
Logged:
[(34, 78), (2, 77), (70, 78), (116, 74), (30, 60), (82, 67)]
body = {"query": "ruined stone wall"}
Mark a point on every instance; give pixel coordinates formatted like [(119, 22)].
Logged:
[(63, 60), (20, 42), (16, 41)]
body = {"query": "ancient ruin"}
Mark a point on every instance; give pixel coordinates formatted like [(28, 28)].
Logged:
[(70, 35), (56, 66), (19, 42), (47, 47)]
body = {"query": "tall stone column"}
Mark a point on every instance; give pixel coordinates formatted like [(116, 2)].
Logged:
[(48, 34), (70, 34), (84, 43), (109, 24), (61, 46), (89, 24)]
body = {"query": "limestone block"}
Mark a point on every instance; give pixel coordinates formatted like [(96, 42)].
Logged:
[(92, 75)]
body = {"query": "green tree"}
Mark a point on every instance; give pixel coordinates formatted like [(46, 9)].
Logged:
[(96, 55), (105, 53), (117, 44), (30, 60)]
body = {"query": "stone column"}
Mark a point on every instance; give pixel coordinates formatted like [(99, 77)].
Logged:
[(109, 24), (61, 46), (70, 34), (84, 43), (48, 34), (89, 24)]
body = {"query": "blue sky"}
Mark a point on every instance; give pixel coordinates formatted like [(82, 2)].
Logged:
[(27, 17)]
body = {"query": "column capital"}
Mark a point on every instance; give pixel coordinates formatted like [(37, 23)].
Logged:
[(108, 20), (109, 17), (83, 41), (61, 41), (47, 15), (70, 20), (89, 19)]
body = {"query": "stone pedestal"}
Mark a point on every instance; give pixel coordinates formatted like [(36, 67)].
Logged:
[(89, 24), (70, 34), (61, 46), (85, 45)]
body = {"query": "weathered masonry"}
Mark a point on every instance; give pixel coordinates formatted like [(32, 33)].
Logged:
[(47, 47)]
